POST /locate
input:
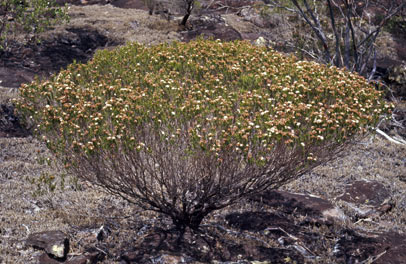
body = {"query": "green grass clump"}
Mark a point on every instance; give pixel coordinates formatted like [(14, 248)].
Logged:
[(257, 117)]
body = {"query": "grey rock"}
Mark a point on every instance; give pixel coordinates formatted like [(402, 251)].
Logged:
[(365, 192), (55, 243), (260, 19), (367, 198), (311, 204)]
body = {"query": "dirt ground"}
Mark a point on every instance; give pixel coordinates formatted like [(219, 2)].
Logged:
[(37, 195)]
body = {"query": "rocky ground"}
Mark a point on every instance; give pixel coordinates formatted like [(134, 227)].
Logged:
[(351, 210)]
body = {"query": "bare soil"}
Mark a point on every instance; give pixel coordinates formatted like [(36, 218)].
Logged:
[(37, 195)]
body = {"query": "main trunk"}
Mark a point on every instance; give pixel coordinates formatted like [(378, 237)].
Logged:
[(192, 221), (184, 20)]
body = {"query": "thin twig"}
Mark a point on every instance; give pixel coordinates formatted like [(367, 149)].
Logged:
[(372, 259), (101, 250), (26, 227)]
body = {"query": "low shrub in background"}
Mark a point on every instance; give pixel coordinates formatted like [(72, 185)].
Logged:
[(188, 128), (28, 17)]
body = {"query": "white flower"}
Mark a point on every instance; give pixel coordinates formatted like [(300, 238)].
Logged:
[(318, 121)]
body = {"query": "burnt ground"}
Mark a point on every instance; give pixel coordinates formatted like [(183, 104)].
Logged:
[(351, 210), (22, 63)]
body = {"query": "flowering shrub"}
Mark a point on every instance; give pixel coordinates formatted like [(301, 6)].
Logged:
[(188, 128)]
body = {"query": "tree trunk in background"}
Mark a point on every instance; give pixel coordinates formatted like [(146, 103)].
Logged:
[(184, 20)]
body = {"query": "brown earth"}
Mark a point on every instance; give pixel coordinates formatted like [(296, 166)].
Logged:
[(350, 210)]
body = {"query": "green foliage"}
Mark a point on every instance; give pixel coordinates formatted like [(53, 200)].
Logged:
[(45, 183), (225, 96), (396, 25), (29, 17), (230, 118), (52, 179)]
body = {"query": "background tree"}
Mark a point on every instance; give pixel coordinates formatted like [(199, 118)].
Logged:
[(184, 7), (187, 8), (345, 30), (29, 17), (151, 5)]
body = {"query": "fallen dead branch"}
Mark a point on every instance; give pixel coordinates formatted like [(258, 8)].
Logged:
[(391, 139)]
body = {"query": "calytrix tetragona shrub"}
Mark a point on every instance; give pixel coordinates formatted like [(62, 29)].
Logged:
[(188, 128)]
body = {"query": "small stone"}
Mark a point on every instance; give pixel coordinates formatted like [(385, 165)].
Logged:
[(168, 259), (385, 208), (261, 42), (172, 259), (334, 213)]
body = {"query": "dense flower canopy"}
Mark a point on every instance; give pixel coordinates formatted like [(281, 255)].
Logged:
[(222, 96)]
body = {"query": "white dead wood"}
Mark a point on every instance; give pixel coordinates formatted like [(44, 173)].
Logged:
[(393, 140)]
